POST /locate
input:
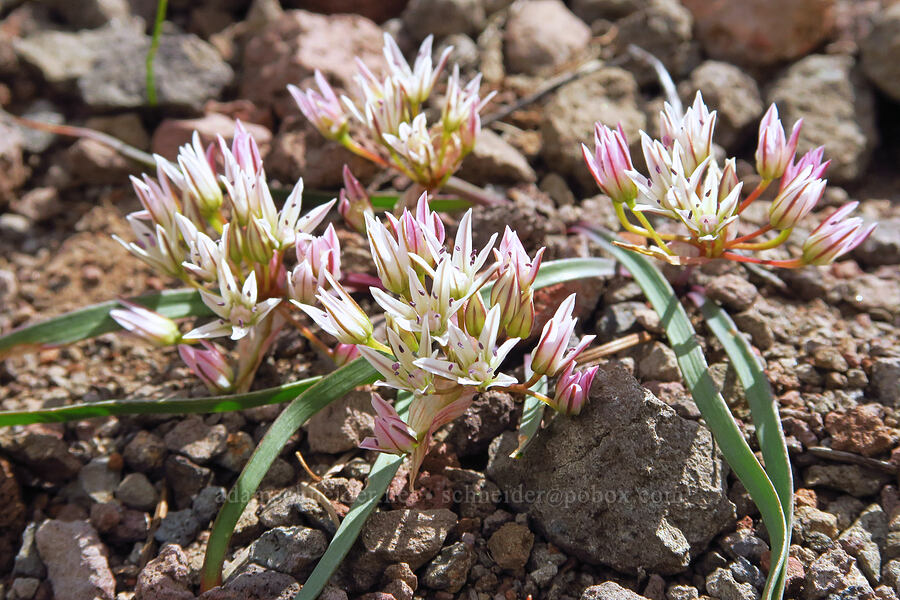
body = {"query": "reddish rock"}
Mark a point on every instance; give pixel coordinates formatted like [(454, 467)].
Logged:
[(861, 430), (511, 545), (13, 171), (290, 49), (173, 133), (760, 32), (805, 497)]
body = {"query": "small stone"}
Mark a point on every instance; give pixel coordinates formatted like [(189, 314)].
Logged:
[(722, 584), (173, 133), (880, 49), (40, 204), (829, 357), (290, 550), (494, 160), (28, 562), (98, 480), (145, 452), (400, 590), (852, 479), (664, 28), (609, 591), (136, 491), (490, 414), (511, 545), (733, 291), (744, 544), (186, 479), (76, 560), (449, 569), (542, 35), (195, 439), (863, 541), (247, 527), (760, 32), (832, 573), (341, 425), (178, 527), (882, 247), (106, 516), (618, 319), (745, 572), (207, 503), (410, 536), (133, 527), (809, 519), (340, 489), (45, 455), (255, 582), (659, 363), (473, 492), (732, 93), (239, 446), (166, 577), (682, 592), (861, 430), (443, 17), (885, 380)]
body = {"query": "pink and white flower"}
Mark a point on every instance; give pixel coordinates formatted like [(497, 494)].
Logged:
[(836, 236), (774, 153)]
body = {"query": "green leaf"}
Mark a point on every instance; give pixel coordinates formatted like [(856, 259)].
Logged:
[(94, 320), (173, 406), (443, 205), (380, 478), (314, 399), (763, 408), (567, 269), (712, 406), (532, 413)]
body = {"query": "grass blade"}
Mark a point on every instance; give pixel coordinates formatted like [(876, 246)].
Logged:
[(314, 399), (532, 413), (567, 269), (715, 411), (380, 477), (94, 320), (173, 406), (763, 407)]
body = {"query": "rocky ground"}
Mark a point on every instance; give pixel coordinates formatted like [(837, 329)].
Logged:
[(626, 501)]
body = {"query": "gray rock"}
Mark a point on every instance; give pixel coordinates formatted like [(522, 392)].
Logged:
[(745, 572), (45, 455), (136, 491), (186, 479), (885, 380), (880, 49), (618, 319), (656, 497), (852, 479), (28, 562), (90, 13), (207, 503), (34, 140), (882, 247), (23, 588), (494, 160), (449, 569), (291, 507), (443, 17), (610, 10), (744, 544), (863, 541), (834, 575), (248, 526), (732, 93), (721, 584), (410, 536), (76, 560), (145, 452), (891, 574), (187, 72), (166, 577), (98, 480), (464, 52), (341, 425), (195, 439), (609, 96), (838, 112), (682, 592), (473, 492), (489, 415), (733, 291), (178, 527), (659, 363), (511, 545), (663, 28), (239, 447), (290, 550), (609, 591), (256, 583), (541, 35)]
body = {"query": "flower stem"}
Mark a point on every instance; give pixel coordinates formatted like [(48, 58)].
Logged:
[(473, 193), (776, 241), (793, 263), (750, 236)]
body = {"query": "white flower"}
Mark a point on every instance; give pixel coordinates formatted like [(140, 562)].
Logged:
[(342, 317)]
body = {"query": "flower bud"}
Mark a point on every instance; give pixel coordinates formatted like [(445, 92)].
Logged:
[(609, 163), (392, 435), (354, 203), (835, 236), (573, 390), (146, 324), (209, 365), (549, 356), (774, 153)]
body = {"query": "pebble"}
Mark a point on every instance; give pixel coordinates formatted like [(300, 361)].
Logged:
[(136, 491), (833, 573), (178, 527), (145, 452), (879, 51), (618, 319), (659, 363), (98, 480), (28, 562), (495, 161), (541, 35), (885, 380), (290, 550), (742, 543), (732, 291), (682, 592), (23, 588), (732, 93), (722, 584), (449, 569), (609, 591), (193, 438), (443, 17), (166, 577), (186, 479), (411, 536), (511, 545), (207, 503), (852, 479), (863, 541), (76, 560), (239, 446), (861, 430), (256, 582), (341, 425)]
